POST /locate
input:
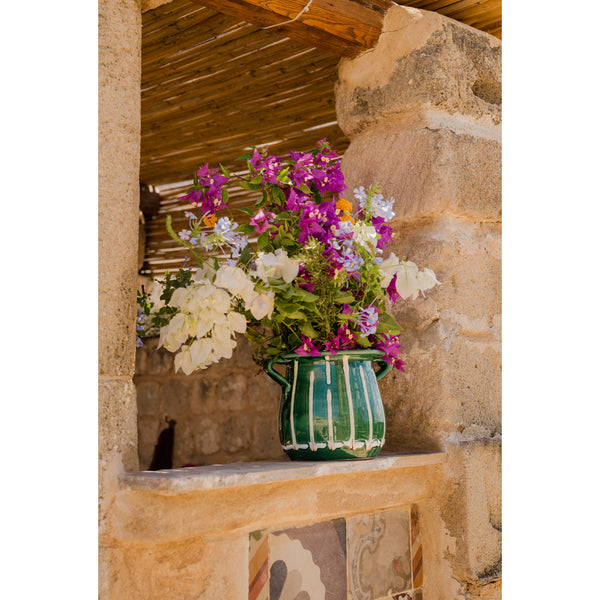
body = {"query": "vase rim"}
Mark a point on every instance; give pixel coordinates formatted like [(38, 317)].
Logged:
[(371, 352)]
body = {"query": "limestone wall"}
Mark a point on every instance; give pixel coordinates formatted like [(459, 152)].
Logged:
[(119, 74), (226, 413), (423, 112)]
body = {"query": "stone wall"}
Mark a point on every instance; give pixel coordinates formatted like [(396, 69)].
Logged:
[(226, 413), (119, 76), (423, 112)]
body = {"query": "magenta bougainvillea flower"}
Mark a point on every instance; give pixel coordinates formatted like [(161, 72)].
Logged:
[(316, 221), (392, 293), (390, 346), (206, 193), (384, 231), (301, 172), (268, 166), (343, 340), (307, 348), (295, 200), (262, 220)]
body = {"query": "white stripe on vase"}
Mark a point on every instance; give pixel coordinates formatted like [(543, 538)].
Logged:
[(351, 441), (328, 369), (294, 444), (337, 445), (330, 419), (311, 424), (370, 440)]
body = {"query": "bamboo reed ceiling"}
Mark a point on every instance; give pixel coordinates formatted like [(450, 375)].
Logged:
[(214, 85)]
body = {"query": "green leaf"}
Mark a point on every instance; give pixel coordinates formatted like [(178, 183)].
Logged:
[(278, 195), (278, 284), (245, 156), (290, 311), (263, 241), (247, 211), (245, 255), (304, 295), (307, 330), (245, 229), (282, 175), (263, 200), (363, 341), (343, 298), (387, 324), (248, 186), (254, 336), (224, 171)]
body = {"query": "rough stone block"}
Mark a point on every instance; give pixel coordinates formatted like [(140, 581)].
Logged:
[(231, 390), (203, 396), (236, 434), (423, 60), (472, 509), (149, 429), (429, 166), (266, 443), (242, 353), (204, 569), (117, 422), (175, 397), (207, 437), (150, 359), (148, 400), (265, 394)]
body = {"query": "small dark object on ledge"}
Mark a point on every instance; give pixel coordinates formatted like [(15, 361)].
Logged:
[(163, 451)]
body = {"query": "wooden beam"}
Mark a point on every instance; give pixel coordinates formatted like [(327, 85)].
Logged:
[(342, 27)]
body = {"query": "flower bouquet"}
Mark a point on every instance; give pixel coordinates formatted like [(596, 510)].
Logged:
[(304, 276)]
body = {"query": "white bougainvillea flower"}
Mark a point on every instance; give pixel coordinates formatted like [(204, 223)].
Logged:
[(262, 305), (175, 333), (388, 268), (277, 265), (204, 273), (236, 322), (223, 344), (409, 280), (426, 279), (183, 361), (156, 291), (406, 280), (365, 236), (234, 280), (200, 351)]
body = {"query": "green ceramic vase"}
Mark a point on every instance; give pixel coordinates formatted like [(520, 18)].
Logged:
[(331, 407)]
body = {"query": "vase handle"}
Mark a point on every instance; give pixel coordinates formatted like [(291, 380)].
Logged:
[(276, 376), (384, 370)]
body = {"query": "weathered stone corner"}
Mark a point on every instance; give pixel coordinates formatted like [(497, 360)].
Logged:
[(422, 62)]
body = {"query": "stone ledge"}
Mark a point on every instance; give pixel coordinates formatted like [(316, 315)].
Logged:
[(190, 479), (179, 504)]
